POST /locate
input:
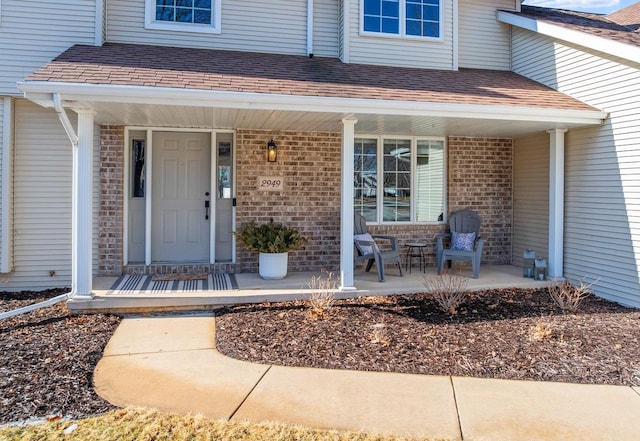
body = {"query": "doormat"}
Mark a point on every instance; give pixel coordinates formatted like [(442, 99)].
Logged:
[(180, 276), (145, 284)]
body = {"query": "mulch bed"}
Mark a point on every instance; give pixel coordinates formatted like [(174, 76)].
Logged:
[(509, 334), (47, 358)]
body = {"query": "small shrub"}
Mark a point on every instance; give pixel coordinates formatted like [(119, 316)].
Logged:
[(271, 237), (541, 331), (448, 290), (323, 293), (379, 335), (567, 295)]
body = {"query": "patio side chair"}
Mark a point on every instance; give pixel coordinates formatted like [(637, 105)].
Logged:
[(367, 249), (463, 242)]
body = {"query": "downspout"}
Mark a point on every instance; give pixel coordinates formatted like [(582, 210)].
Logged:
[(71, 133), (64, 119), (99, 30), (6, 198), (346, 29), (310, 28), (456, 31), (53, 301)]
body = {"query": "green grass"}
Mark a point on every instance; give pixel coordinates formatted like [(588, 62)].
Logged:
[(149, 425)]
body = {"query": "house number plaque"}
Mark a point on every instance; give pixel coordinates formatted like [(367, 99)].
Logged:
[(270, 183)]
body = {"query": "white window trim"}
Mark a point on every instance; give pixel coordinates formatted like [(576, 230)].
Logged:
[(403, 25), (151, 23), (414, 151)]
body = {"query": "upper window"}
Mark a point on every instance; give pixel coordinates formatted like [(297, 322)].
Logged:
[(399, 179), (413, 18), (183, 15)]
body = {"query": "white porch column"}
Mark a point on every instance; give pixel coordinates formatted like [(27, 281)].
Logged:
[(556, 203), (346, 214), (81, 277)]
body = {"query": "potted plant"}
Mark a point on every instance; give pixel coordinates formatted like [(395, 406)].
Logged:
[(273, 241)]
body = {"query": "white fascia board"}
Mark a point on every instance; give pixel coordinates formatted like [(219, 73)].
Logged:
[(82, 93), (601, 44)]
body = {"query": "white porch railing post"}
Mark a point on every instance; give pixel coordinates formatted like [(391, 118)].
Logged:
[(82, 219), (556, 203), (346, 214)]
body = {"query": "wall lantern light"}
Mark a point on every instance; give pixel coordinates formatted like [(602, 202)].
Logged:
[(272, 151)]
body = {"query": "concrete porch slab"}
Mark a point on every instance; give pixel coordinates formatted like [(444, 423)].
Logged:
[(503, 410), (253, 289), (401, 404)]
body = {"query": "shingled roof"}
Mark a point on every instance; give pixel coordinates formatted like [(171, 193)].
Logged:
[(215, 70), (612, 26), (629, 16)]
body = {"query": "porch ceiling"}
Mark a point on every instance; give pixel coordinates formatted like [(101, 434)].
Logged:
[(149, 115), (150, 86)]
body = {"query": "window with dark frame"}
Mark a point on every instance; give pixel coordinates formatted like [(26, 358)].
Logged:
[(137, 163)]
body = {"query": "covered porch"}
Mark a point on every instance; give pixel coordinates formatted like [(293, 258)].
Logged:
[(320, 106), (252, 289)]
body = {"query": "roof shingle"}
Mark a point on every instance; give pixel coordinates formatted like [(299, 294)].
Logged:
[(594, 24), (629, 16), (216, 70)]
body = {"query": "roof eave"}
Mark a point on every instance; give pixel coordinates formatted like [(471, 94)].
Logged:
[(42, 92), (601, 44)]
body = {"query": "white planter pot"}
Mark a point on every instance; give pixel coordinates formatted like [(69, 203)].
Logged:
[(273, 265)]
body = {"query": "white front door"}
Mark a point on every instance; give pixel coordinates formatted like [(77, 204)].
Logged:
[(181, 179)]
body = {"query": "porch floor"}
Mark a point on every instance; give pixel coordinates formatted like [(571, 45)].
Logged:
[(253, 289)]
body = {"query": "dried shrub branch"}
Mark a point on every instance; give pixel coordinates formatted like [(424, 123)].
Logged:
[(567, 295), (448, 290), (541, 331), (322, 296), (379, 334)]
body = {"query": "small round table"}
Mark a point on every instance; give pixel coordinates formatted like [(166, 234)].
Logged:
[(415, 249)]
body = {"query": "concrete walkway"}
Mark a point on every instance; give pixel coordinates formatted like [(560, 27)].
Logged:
[(171, 364)]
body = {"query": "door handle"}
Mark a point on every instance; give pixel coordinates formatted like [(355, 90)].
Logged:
[(206, 210)]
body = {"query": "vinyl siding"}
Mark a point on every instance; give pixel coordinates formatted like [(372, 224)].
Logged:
[(602, 164), (483, 42), (530, 197), (276, 26), (325, 28), (42, 200), (396, 51), (34, 32)]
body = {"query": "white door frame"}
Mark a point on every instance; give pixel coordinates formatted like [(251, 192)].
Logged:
[(148, 188)]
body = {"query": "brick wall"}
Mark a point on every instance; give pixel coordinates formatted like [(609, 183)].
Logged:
[(480, 178), (110, 242), (479, 173), (309, 163)]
